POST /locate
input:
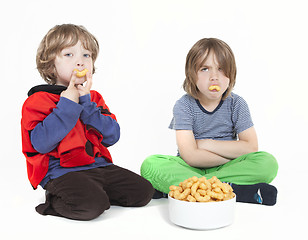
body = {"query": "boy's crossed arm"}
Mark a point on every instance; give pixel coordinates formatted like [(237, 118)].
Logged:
[(209, 153), (193, 155), (247, 143)]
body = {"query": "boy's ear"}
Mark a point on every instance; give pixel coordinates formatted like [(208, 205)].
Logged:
[(54, 74)]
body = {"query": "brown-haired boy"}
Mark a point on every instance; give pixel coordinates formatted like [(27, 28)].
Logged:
[(66, 130), (215, 134)]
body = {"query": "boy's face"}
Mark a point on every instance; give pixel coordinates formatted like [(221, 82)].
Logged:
[(70, 58), (211, 74)]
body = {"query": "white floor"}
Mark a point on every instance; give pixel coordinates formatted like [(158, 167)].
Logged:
[(20, 221)]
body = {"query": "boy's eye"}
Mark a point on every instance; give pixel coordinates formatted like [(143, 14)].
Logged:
[(204, 69), (68, 54), (87, 55)]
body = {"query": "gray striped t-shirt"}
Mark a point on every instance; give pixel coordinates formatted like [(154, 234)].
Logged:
[(230, 117)]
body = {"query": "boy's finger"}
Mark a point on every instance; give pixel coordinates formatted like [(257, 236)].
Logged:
[(71, 84), (89, 81), (73, 80)]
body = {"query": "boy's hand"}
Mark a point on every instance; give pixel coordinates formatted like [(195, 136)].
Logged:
[(85, 90), (71, 92)]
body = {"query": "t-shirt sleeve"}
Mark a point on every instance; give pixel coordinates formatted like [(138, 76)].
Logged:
[(241, 115), (182, 115)]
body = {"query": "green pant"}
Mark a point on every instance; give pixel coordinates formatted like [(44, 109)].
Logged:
[(163, 171)]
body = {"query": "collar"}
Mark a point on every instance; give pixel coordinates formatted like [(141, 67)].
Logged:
[(206, 111), (55, 89)]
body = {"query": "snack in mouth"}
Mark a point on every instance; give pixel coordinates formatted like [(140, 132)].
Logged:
[(82, 73), (214, 87), (202, 190)]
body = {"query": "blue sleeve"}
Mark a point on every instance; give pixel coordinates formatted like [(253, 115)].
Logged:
[(48, 133), (106, 125)]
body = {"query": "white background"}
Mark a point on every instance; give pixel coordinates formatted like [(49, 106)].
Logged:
[(140, 71)]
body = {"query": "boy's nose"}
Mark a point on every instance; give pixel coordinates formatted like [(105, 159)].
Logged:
[(214, 76), (80, 64)]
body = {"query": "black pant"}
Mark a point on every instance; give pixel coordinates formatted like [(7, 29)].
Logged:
[(84, 195)]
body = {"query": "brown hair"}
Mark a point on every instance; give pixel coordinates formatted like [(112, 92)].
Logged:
[(58, 38), (198, 55)]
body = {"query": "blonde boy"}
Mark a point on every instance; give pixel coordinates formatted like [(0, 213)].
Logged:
[(67, 129)]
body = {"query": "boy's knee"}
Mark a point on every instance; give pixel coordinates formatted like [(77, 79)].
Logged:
[(147, 165), (90, 207), (144, 194), (269, 166), (153, 158), (83, 202), (85, 207)]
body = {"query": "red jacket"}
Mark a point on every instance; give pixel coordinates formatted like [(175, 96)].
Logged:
[(80, 146)]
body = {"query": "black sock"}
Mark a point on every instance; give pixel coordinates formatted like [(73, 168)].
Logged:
[(261, 193), (158, 194)]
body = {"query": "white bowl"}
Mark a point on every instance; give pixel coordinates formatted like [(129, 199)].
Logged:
[(201, 215)]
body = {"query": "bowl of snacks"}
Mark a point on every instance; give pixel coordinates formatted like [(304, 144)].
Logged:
[(198, 203)]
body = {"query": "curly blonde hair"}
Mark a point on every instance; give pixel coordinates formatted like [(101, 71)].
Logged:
[(58, 38), (198, 55)]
